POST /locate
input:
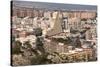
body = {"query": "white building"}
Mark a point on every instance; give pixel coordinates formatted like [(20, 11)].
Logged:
[(47, 14)]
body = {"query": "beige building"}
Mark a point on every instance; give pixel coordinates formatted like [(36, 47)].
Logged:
[(74, 23), (55, 24), (47, 14), (88, 35)]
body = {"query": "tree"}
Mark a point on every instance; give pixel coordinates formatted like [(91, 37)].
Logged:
[(16, 47), (38, 32), (27, 44), (78, 42), (39, 40)]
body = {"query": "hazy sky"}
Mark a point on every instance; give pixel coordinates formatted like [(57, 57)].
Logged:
[(54, 6)]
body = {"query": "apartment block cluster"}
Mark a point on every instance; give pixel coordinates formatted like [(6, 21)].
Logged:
[(25, 20)]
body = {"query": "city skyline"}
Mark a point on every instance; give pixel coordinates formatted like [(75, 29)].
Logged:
[(54, 6), (51, 33)]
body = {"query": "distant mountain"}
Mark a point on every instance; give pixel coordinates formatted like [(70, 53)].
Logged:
[(54, 6)]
